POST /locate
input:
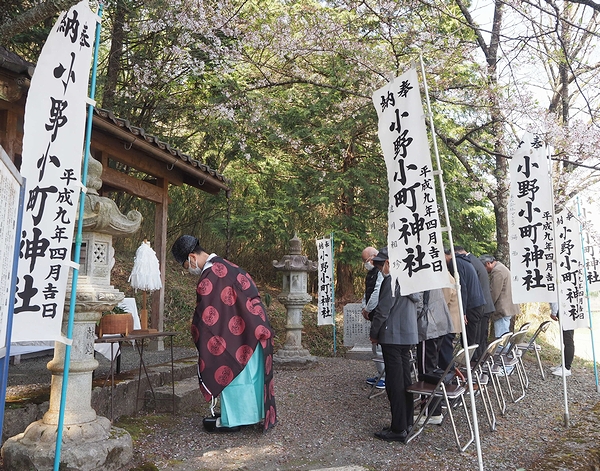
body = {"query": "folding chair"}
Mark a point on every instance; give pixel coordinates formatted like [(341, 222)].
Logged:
[(374, 392), (511, 361), (532, 346), (494, 369), (452, 394), (481, 381)]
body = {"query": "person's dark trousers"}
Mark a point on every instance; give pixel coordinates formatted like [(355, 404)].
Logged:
[(397, 378), (446, 350), (427, 360), (569, 347), (484, 332), (474, 316)]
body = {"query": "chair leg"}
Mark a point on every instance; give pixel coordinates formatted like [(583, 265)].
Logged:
[(454, 429), (498, 393), (374, 392), (539, 360)]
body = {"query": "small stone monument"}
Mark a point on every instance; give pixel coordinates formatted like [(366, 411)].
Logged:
[(294, 297), (356, 332), (89, 442)]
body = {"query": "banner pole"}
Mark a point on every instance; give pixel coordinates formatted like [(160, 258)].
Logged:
[(333, 296), (587, 294), (451, 243), (560, 330), (77, 251)]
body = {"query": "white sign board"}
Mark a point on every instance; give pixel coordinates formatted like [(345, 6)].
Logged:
[(10, 187)]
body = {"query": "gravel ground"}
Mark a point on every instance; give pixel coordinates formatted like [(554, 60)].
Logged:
[(326, 420)]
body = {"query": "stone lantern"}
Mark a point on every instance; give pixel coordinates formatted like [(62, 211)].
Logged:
[(294, 297), (90, 442)]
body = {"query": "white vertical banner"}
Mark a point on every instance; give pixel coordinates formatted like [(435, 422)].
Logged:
[(530, 223), (569, 255), (52, 155), (592, 263), (326, 311), (415, 246)]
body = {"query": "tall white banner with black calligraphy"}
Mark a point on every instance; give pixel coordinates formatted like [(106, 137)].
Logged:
[(530, 224), (569, 255), (52, 156), (415, 244), (326, 313)]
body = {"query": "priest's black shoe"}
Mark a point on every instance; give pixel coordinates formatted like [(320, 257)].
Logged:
[(389, 436)]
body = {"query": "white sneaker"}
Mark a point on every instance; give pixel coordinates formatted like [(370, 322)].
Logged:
[(433, 420), (554, 368), (559, 372)]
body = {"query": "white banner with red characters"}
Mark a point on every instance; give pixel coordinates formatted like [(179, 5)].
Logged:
[(530, 223), (415, 244), (326, 311), (52, 155)]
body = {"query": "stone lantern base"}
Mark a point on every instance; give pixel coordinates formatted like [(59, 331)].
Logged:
[(294, 357), (91, 446)]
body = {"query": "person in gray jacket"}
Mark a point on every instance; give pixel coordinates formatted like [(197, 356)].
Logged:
[(394, 327), (433, 323)]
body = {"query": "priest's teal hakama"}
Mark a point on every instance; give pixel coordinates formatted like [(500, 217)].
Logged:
[(235, 345)]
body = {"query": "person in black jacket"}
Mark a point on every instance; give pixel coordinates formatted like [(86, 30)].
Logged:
[(471, 295)]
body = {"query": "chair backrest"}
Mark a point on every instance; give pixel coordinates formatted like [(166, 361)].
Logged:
[(542, 328), (459, 359), (489, 352), (504, 344), (524, 327)]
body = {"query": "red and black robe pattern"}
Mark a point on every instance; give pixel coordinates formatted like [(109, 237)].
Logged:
[(229, 322)]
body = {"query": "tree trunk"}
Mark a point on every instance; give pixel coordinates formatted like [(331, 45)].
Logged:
[(114, 58)]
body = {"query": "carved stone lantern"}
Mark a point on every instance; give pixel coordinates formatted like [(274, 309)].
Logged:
[(294, 297), (90, 442)]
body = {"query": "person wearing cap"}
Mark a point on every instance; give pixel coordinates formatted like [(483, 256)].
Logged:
[(373, 280), (394, 327), (234, 339), (501, 288)]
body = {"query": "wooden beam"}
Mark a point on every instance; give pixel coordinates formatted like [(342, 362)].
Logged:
[(134, 158), (131, 185), (160, 246)]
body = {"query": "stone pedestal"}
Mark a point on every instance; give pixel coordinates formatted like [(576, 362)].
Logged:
[(89, 442), (294, 297)]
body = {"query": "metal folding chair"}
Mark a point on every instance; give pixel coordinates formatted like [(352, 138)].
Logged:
[(495, 370), (482, 379), (452, 394), (374, 392), (532, 346), (511, 361)]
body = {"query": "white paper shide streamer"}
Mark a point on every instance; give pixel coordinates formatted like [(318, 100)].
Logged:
[(145, 274)]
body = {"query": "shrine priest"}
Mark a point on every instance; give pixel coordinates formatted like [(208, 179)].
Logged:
[(233, 337)]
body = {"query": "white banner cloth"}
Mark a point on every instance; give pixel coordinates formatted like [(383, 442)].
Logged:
[(571, 296), (326, 311), (530, 224), (52, 154), (415, 246)]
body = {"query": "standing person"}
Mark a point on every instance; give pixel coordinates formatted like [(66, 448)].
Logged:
[(501, 287), (373, 280), (433, 323), (471, 295), (233, 337), (394, 327), (488, 308), (568, 343)]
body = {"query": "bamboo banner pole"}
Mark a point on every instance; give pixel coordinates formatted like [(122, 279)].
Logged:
[(448, 228), (77, 251)]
